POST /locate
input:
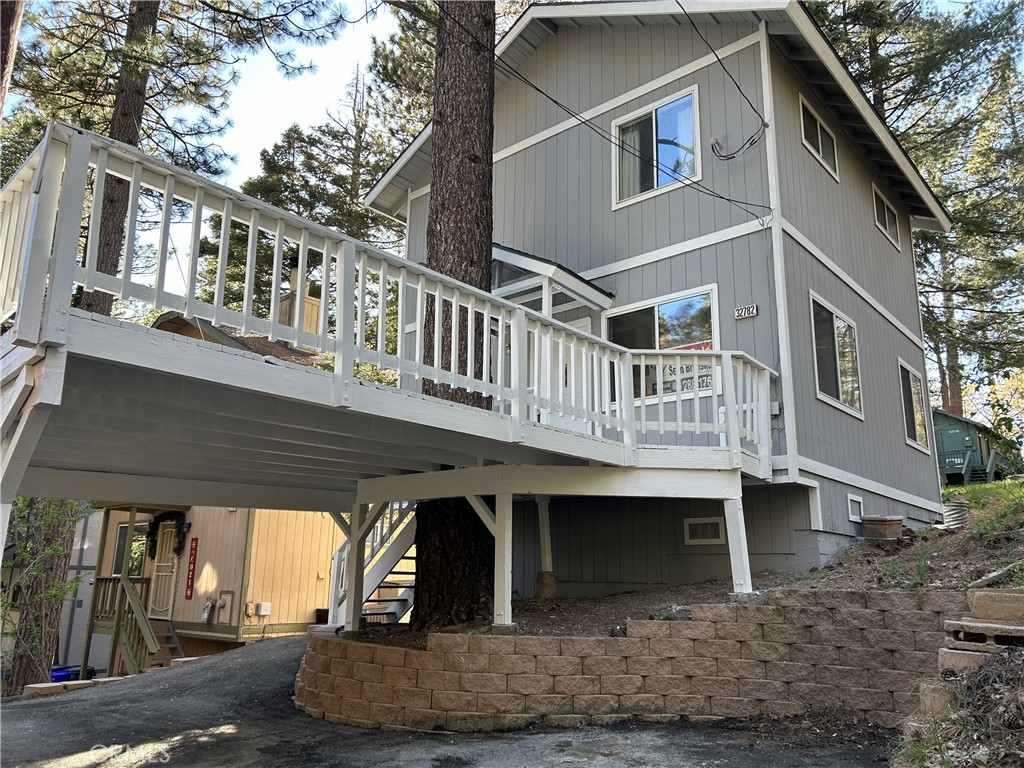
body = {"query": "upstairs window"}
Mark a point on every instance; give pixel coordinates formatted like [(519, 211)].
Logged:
[(657, 147), (913, 406), (835, 354), (885, 218), (818, 139)]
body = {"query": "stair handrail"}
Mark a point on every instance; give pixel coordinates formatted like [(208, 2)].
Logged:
[(383, 531), (136, 637)]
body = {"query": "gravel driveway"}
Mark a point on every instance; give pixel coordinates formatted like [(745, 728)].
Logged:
[(235, 709)]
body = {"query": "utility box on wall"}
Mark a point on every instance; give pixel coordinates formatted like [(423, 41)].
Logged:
[(262, 609)]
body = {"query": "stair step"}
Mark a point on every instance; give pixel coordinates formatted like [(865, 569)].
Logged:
[(403, 573), (385, 600)]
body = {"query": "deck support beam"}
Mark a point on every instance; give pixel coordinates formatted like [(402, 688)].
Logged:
[(739, 559), (354, 567), (503, 559)]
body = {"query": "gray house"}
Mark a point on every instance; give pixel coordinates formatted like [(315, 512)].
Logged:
[(710, 179)]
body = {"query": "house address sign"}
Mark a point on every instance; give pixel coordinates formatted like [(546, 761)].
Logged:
[(744, 312), (190, 581)]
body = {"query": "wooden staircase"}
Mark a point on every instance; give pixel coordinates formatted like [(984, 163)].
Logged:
[(390, 571), (170, 645)]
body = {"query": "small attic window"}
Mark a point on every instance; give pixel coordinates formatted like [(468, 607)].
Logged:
[(885, 218), (704, 530), (818, 139)]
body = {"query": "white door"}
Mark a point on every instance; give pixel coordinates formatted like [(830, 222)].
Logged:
[(161, 593)]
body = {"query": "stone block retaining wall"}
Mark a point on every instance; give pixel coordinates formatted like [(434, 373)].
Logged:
[(796, 650)]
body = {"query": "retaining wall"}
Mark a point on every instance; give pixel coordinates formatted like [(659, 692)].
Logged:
[(797, 650)]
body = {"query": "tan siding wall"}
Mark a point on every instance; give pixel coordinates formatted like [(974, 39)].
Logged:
[(290, 565), (219, 563)]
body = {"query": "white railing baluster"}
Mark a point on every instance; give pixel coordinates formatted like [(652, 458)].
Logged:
[(361, 309), (299, 291), (330, 257), (485, 352), (453, 341), (471, 345), (248, 292), (275, 282), (419, 351), (193, 252), (222, 263), (438, 340), (382, 312), (400, 352), (99, 182), (134, 193), (163, 244)]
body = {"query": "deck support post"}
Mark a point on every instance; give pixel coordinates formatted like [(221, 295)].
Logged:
[(5, 518), (354, 567), (547, 580), (503, 559), (739, 559)]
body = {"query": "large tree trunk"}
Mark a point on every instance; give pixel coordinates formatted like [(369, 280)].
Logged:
[(125, 126), (454, 551), (43, 589), (10, 23)]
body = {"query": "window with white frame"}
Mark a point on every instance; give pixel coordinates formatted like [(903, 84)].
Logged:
[(855, 504), (885, 218), (657, 147), (818, 139), (835, 354), (684, 321), (914, 414), (704, 530)]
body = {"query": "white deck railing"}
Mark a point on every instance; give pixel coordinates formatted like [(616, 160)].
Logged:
[(532, 369)]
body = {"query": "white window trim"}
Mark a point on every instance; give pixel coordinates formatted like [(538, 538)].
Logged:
[(814, 153), (650, 109), (701, 542), (711, 288), (814, 297), (874, 214), (850, 499), (924, 393), (127, 545)]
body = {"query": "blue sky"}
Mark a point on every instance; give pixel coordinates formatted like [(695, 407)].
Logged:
[(264, 104)]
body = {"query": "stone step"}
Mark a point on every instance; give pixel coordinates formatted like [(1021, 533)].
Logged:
[(959, 660), (1003, 605), (983, 635)]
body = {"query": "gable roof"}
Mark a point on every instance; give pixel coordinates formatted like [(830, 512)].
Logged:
[(788, 23)]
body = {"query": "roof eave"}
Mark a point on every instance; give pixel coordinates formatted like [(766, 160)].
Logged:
[(809, 30)]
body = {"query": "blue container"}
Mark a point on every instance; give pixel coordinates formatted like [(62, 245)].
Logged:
[(70, 672)]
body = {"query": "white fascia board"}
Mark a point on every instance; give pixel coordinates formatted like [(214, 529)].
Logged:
[(807, 28), (397, 167)]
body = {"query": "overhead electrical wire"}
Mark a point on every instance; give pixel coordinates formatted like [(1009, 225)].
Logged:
[(603, 133), (759, 133)]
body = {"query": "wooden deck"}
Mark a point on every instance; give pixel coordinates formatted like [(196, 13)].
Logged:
[(112, 409)]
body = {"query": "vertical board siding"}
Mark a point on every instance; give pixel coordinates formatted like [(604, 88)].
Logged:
[(603, 545), (835, 510), (222, 536), (876, 446), (839, 217), (290, 564)]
